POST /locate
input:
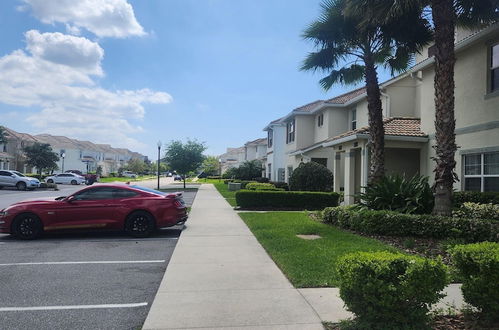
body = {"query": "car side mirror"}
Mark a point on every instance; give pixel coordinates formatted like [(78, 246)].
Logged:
[(70, 199)]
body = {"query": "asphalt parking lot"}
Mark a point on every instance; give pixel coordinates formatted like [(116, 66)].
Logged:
[(97, 280)]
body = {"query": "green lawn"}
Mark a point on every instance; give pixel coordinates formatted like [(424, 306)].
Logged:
[(223, 189), (306, 263), (122, 179)]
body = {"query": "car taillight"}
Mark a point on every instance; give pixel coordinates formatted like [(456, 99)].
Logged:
[(178, 202)]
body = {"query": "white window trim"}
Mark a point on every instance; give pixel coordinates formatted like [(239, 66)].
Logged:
[(481, 176)]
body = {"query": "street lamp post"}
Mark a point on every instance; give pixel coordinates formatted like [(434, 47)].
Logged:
[(159, 158), (63, 154)]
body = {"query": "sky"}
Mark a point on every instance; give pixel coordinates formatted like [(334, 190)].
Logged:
[(132, 73)]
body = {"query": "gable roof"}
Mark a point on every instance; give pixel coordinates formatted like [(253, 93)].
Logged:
[(344, 98), (308, 107)]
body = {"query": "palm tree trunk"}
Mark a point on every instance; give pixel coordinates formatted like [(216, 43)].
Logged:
[(376, 129), (444, 20)]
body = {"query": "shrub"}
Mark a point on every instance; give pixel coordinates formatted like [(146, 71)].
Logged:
[(282, 185), (390, 291), (214, 177), (477, 211), (311, 176), (399, 194), (460, 197), (262, 186), (479, 266), (286, 199), (246, 171), (398, 224), (261, 179), (40, 177)]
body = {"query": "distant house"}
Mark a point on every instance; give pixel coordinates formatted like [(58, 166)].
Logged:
[(12, 156), (275, 163), (252, 150)]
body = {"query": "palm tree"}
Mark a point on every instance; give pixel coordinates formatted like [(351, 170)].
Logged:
[(445, 14), (350, 52)]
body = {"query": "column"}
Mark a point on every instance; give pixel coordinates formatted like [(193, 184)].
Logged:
[(364, 172), (336, 171), (349, 177)]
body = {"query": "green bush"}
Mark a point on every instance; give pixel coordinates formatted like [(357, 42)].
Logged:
[(262, 186), (477, 211), (479, 266), (398, 224), (246, 171), (390, 291), (311, 176), (299, 200), (214, 177), (40, 177), (460, 197), (282, 185), (396, 193)]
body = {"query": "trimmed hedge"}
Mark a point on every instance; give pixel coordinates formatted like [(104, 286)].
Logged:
[(479, 266), (398, 224), (477, 211), (279, 184), (262, 186), (390, 290), (460, 197), (300, 200)]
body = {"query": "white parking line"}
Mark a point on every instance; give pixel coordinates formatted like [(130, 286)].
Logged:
[(49, 308), (83, 262)]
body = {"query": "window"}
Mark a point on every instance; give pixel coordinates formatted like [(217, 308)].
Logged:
[(481, 172), (270, 138), (320, 120), (269, 175), (290, 131), (354, 120), (494, 68)]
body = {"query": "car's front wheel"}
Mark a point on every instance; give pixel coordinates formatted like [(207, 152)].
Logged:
[(50, 181), (27, 226), (139, 224), (73, 182), (21, 186)]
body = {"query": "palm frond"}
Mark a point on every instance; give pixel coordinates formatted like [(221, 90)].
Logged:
[(346, 76), (473, 13)]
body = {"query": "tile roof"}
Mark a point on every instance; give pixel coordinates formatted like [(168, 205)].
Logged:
[(399, 126), (257, 142), (308, 107), (344, 98)]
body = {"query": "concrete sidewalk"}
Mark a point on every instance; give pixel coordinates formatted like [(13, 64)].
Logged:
[(220, 277)]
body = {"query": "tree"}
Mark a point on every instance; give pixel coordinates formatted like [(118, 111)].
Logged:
[(248, 170), (3, 138), (41, 156), (445, 14), (136, 165), (351, 52), (211, 166), (184, 157)]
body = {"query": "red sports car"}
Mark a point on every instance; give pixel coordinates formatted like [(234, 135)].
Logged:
[(137, 210)]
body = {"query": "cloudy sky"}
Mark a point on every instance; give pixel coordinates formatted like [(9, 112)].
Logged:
[(130, 73)]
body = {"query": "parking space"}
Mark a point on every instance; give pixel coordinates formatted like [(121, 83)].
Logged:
[(81, 281)]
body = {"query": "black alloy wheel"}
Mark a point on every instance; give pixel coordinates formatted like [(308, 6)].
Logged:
[(139, 224), (21, 186), (27, 226)]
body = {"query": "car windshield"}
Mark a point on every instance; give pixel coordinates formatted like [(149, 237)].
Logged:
[(18, 173), (149, 190)]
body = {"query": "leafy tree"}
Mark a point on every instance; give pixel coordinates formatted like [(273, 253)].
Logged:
[(136, 165), (211, 166), (311, 176), (248, 170), (445, 14), (351, 52), (3, 138), (41, 156), (184, 157), (98, 171)]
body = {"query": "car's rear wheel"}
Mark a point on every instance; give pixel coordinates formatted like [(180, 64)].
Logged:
[(140, 224), (27, 226), (21, 186), (73, 182), (50, 181)]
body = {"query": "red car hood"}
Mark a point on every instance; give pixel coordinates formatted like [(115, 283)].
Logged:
[(42, 200)]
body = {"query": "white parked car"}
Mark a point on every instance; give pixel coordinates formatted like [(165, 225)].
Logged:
[(65, 178), (18, 180), (129, 174)]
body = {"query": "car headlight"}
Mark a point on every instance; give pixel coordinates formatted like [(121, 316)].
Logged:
[(3, 213)]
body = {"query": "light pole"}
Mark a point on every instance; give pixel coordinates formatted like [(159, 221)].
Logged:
[(63, 154), (159, 157)]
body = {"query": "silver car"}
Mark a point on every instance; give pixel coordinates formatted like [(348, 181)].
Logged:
[(65, 178), (17, 179)]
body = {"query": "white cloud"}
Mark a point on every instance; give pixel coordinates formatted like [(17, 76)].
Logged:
[(104, 18), (76, 52), (55, 75)]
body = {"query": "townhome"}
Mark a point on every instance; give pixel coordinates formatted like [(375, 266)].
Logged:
[(233, 157), (335, 132), (275, 161), (12, 157)]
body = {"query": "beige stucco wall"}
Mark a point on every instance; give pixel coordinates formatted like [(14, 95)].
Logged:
[(304, 135), (321, 133), (402, 98), (402, 161)]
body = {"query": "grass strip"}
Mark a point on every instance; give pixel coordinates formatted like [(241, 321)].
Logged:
[(306, 263)]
